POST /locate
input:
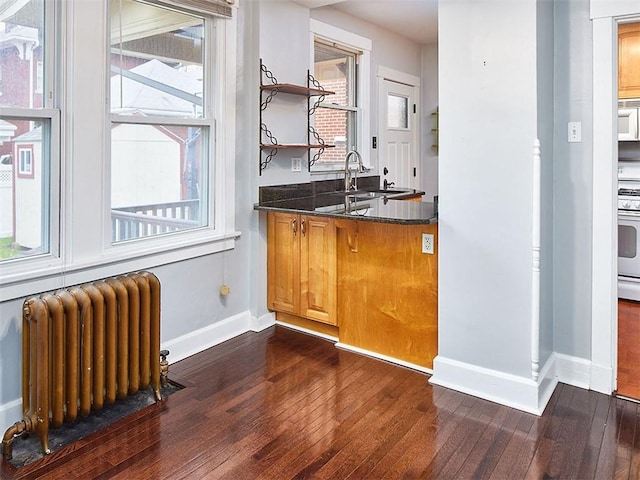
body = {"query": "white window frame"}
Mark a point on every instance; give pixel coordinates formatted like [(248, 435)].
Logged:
[(18, 269), (25, 162), (352, 41), (219, 234), (80, 210)]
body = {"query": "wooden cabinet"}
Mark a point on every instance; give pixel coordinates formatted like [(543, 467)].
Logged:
[(301, 266), (388, 290), (629, 60)]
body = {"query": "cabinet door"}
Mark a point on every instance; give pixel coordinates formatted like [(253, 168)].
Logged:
[(283, 261), (318, 290), (629, 60)]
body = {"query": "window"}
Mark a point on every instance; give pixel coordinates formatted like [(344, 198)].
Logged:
[(336, 118), (340, 65), (161, 120), (397, 112), (25, 164), (28, 128)]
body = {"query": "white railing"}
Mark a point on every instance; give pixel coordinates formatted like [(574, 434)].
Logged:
[(128, 223)]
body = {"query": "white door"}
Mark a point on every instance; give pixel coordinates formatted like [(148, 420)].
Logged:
[(398, 134)]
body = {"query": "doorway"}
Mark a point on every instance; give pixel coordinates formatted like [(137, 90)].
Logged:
[(628, 331), (398, 127)]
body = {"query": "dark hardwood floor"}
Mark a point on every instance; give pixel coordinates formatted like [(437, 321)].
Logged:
[(281, 404)]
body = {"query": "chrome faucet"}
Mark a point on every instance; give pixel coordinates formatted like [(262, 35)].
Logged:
[(347, 173)]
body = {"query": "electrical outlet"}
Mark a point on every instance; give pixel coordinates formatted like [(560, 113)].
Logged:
[(427, 243), (296, 164)]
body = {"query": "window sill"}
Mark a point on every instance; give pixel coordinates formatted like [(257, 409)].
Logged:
[(49, 274)]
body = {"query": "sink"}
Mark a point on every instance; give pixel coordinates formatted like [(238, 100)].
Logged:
[(389, 191)]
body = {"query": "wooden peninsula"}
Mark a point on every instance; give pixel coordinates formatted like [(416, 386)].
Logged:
[(359, 267)]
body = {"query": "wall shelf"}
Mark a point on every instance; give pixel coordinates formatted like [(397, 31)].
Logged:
[(269, 149)]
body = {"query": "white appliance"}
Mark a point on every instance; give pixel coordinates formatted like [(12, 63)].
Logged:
[(628, 124), (629, 230)]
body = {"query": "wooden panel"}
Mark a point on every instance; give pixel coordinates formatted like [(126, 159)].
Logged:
[(283, 272), (388, 291), (629, 60), (318, 269), (629, 349)]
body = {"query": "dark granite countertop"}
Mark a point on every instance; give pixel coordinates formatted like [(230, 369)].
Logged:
[(368, 203)]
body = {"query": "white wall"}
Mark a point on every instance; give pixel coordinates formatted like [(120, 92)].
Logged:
[(545, 125), (429, 155), (572, 177), (488, 86)]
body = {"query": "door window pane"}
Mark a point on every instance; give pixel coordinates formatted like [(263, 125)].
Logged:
[(397, 111)]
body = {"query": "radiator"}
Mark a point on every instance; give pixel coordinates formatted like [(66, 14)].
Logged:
[(84, 347)]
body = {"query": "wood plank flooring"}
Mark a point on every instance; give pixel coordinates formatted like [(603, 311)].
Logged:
[(628, 348), (285, 405)]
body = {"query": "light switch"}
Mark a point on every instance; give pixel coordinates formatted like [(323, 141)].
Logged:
[(574, 132)]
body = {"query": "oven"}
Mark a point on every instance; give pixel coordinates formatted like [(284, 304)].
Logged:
[(629, 230), (629, 244)]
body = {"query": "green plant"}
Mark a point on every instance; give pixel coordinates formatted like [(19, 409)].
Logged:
[(6, 248)]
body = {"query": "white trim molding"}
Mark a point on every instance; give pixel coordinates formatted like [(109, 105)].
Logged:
[(604, 280), (535, 267), (573, 370), (506, 389), (211, 335)]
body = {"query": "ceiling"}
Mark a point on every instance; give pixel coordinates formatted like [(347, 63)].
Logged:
[(413, 19)]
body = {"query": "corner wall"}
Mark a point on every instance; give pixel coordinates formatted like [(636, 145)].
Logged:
[(488, 92)]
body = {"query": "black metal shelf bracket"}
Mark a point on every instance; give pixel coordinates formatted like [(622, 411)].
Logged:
[(317, 100), (317, 141)]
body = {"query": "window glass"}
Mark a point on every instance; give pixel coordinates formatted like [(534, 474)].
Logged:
[(627, 241), (25, 150), (397, 111), (158, 160), (335, 120)]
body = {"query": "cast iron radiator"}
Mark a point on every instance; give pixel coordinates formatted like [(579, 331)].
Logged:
[(84, 347)]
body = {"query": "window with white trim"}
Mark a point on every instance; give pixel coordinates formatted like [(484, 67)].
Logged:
[(336, 118), (162, 120), (28, 130), (25, 163), (341, 65)]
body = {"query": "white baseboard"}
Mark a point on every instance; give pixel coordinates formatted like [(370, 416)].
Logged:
[(499, 387), (573, 370), (369, 353), (209, 336), (602, 379), (264, 321)]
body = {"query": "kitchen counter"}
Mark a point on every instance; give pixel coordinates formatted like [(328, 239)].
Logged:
[(368, 203)]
